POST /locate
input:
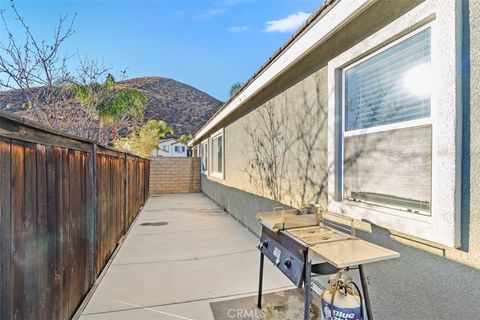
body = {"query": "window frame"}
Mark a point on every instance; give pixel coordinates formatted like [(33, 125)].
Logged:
[(205, 153), (443, 224), (217, 134), (408, 124)]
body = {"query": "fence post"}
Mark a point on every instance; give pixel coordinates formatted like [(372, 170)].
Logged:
[(147, 180), (93, 214), (125, 201)]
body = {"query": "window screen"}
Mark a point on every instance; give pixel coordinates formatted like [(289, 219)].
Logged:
[(392, 86)]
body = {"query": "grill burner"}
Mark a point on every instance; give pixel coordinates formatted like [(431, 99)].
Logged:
[(299, 245)]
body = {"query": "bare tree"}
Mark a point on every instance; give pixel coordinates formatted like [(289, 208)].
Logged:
[(86, 101), (36, 68)]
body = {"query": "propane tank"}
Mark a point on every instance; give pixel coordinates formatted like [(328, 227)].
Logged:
[(341, 299)]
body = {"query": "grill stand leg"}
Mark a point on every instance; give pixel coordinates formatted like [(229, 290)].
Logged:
[(260, 282), (308, 290), (366, 296)]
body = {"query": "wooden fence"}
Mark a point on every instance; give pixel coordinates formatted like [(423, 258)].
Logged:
[(65, 202)]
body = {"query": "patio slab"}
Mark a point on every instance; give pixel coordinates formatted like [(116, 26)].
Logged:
[(182, 253)]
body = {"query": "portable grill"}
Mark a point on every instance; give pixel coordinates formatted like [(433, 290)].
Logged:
[(302, 244)]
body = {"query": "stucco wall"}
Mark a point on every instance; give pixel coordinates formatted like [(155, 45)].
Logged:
[(300, 110), (428, 281), (297, 102), (242, 205)]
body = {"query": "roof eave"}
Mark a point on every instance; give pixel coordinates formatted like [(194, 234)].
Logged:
[(340, 11)]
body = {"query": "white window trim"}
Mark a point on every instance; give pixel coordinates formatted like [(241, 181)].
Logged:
[(443, 225), (204, 172), (220, 175)]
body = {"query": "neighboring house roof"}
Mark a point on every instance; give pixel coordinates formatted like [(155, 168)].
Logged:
[(314, 17), (166, 140), (171, 141)]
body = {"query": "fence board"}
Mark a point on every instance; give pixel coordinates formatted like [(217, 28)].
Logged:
[(84, 227), (43, 285), (30, 232), (5, 229), (53, 304), (64, 205), (62, 229), (74, 239), (17, 214)]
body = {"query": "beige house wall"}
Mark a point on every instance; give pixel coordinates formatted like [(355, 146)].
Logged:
[(300, 111), (294, 107)]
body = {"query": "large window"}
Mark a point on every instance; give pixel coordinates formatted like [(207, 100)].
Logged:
[(394, 126), (217, 154), (390, 165), (204, 157)]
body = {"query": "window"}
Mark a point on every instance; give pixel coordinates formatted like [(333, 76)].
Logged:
[(394, 118), (204, 157), (388, 90), (217, 154), (179, 149), (166, 148)]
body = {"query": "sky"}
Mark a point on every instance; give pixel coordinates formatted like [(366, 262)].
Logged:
[(207, 44)]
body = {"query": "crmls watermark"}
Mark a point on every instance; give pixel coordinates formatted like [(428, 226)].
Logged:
[(245, 313)]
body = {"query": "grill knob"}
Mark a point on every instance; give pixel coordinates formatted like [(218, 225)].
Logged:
[(288, 263), (263, 244)]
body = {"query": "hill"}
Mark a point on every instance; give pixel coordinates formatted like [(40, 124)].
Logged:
[(184, 107)]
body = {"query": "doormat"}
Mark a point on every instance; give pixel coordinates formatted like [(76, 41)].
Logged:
[(284, 305)]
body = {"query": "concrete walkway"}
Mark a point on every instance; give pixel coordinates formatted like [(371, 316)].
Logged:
[(182, 253)]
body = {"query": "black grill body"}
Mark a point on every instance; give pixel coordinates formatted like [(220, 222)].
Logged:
[(289, 256)]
